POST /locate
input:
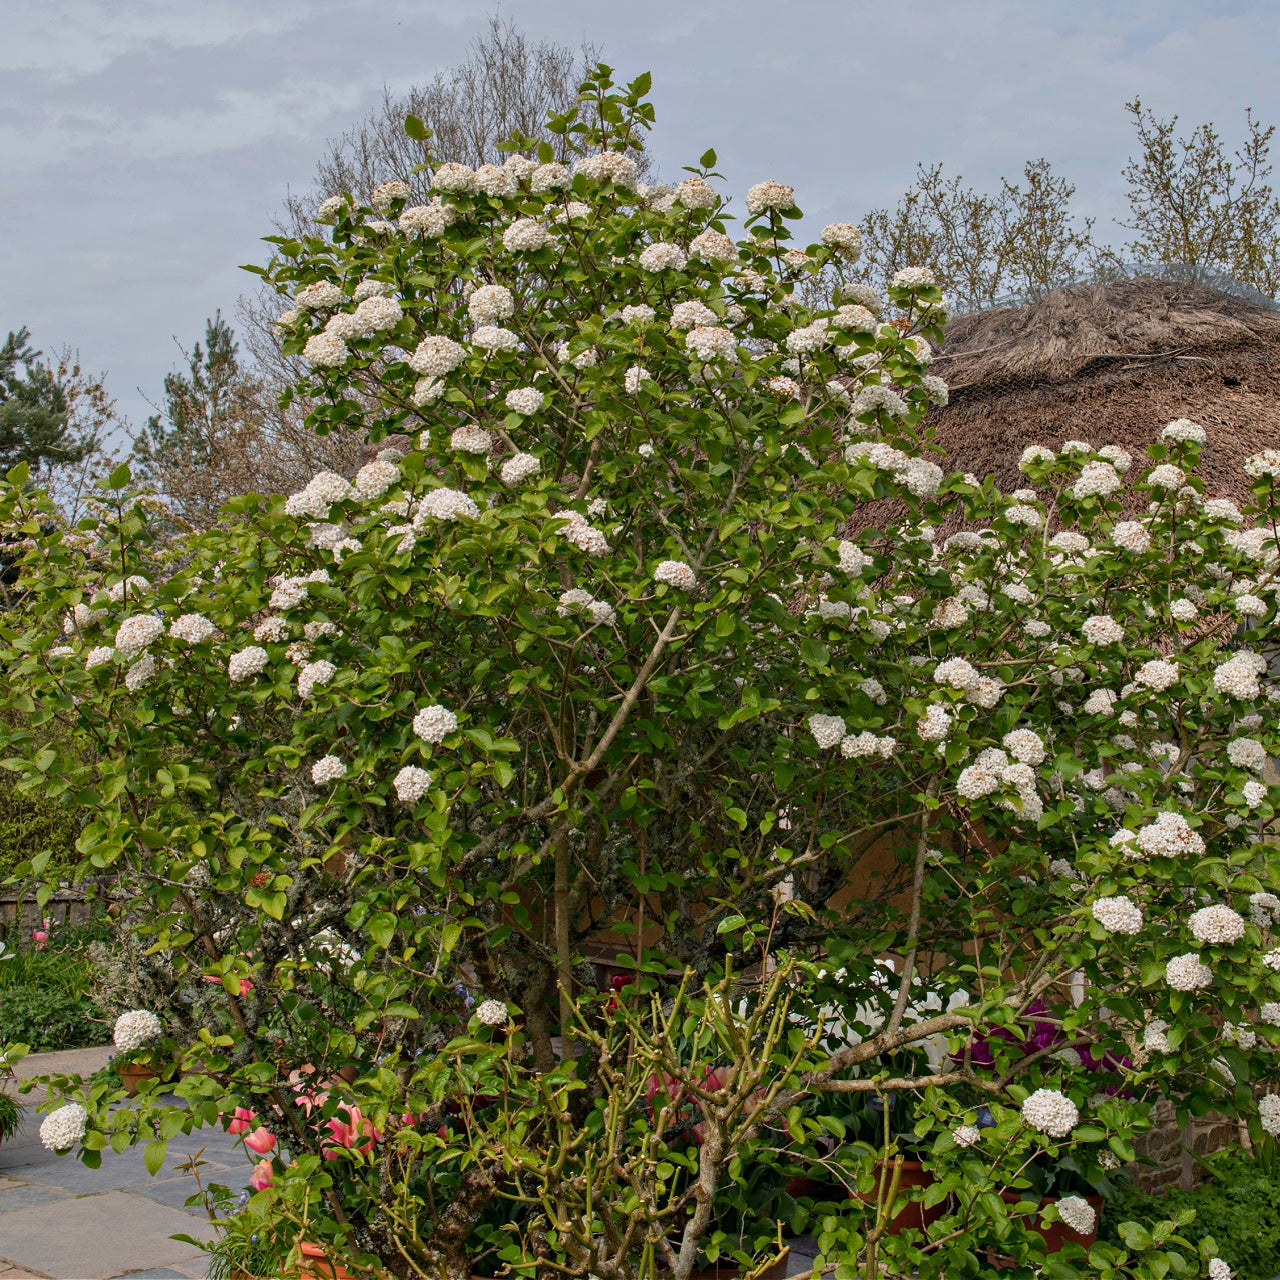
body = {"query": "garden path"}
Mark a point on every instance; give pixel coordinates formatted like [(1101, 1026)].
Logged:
[(61, 1220)]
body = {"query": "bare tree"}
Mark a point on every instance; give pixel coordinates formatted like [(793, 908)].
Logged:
[(984, 247), (1192, 201), (507, 87)]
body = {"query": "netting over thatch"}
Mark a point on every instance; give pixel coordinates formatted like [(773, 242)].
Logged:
[(1110, 364)]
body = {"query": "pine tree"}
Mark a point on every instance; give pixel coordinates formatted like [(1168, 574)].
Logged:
[(34, 409)]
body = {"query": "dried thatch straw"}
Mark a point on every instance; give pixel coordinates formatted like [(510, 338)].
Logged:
[(1110, 364)]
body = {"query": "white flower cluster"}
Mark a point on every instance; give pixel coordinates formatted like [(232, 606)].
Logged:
[(1051, 1112), (411, 784), (1158, 674), (193, 628), (434, 723), (1246, 753), (1182, 430), (1118, 915), (1101, 629), (1131, 536), (676, 574), (1268, 1113), (856, 745), (608, 166), (1097, 479), (322, 491), (844, 238), (1078, 1214), (375, 478), (708, 342), (661, 256), (63, 1128), (134, 1029), (713, 246), (313, 676), (828, 731), (935, 725), (1186, 973), (470, 439), (583, 535), (137, 633), (966, 1135), (430, 220), (491, 302), (576, 600), (764, 196), (518, 468), (1217, 925), (1024, 745), (445, 504), (246, 663), (1238, 676), (525, 400), (525, 235), (1169, 836), (328, 769), (436, 356), (492, 1013)]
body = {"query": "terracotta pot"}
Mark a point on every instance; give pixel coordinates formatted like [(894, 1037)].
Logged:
[(132, 1074), (907, 1213), (1055, 1234), (316, 1265), (797, 1187)]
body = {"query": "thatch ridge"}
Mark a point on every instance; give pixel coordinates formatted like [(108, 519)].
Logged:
[(1108, 364)]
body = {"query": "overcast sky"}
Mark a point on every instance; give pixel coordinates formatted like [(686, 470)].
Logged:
[(146, 143)]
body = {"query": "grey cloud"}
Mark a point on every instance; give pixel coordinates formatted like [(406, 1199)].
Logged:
[(148, 144)]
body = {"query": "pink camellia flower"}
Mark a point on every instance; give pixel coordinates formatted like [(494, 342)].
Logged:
[(260, 1140), (242, 1121), (356, 1133), (262, 1176)]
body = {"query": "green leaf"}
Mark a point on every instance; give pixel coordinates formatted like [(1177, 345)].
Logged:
[(153, 1156), (729, 923), (120, 477), (414, 127), (1135, 1235), (815, 653), (708, 158)]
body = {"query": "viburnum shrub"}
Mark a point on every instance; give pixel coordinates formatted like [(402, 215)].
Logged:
[(945, 840)]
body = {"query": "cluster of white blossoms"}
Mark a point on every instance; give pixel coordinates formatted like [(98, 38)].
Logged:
[(471, 439), (578, 601), (1050, 1112), (246, 664), (322, 491), (1024, 745), (579, 532), (1118, 915), (1217, 925), (62, 1128), (709, 342), (437, 355), (328, 769), (192, 628), (313, 675), (856, 745), (1170, 835), (1101, 629), (1078, 1214), (1158, 674), (1187, 973), (445, 504), (525, 400), (518, 468), (134, 1029), (434, 723), (411, 784), (376, 477), (935, 725), (137, 633), (1238, 676), (492, 1013), (763, 197), (676, 573)]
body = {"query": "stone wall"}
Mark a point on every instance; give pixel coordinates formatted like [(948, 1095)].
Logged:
[(1165, 1145)]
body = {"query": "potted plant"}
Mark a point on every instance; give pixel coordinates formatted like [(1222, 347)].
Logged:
[(10, 1111), (136, 1035)]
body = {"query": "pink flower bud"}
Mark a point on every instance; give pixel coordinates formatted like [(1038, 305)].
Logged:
[(261, 1141)]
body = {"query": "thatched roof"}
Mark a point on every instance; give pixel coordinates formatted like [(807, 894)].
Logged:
[(1110, 364)]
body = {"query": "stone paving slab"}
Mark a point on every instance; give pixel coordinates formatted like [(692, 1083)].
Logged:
[(97, 1237)]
